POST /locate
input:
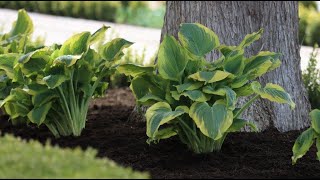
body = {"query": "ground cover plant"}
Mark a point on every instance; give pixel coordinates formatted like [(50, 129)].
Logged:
[(21, 159), (196, 99), (56, 83)]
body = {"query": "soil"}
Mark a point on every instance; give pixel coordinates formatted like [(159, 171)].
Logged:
[(243, 155)]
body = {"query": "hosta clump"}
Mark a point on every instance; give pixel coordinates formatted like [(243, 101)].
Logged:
[(58, 81), (308, 137), (196, 99), (18, 40)]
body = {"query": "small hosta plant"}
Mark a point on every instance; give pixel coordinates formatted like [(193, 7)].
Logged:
[(57, 82), (307, 138), (196, 99)]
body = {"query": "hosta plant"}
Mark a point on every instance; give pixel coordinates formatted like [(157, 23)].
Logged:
[(57, 82), (307, 138), (196, 99)]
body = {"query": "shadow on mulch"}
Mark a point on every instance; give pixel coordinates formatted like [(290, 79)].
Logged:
[(243, 155)]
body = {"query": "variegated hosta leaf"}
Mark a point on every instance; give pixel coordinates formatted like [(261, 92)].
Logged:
[(7, 62), (134, 70), (238, 124), (188, 86), (68, 60), (264, 62), (76, 45), (172, 59), (34, 62), (315, 120), (57, 75), (244, 90), (38, 114), (234, 62), (239, 81), (212, 121), (250, 38), (231, 96), (273, 92), (17, 103), (144, 85), (164, 133), (302, 144), (112, 50), (197, 38), (99, 34), (209, 77), (194, 95), (42, 98), (159, 114), (23, 25)]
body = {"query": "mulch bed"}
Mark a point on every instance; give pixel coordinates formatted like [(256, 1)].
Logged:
[(243, 155)]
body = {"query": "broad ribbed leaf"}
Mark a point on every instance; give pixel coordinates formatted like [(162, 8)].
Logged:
[(273, 92), (209, 77), (23, 25), (172, 59), (302, 144), (238, 124), (244, 90), (142, 85), (164, 133), (250, 38), (134, 70), (53, 81), (42, 98), (7, 61), (112, 50), (197, 38), (188, 86), (315, 120), (99, 34), (231, 96), (194, 95), (212, 121), (38, 114), (159, 114), (76, 45), (149, 97), (239, 81), (68, 60), (234, 64)]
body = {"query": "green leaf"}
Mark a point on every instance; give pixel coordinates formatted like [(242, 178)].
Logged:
[(194, 95), (239, 81), (99, 34), (273, 93), (172, 59), (244, 90), (112, 50), (53, 81), (188, 86), (76, 45), (7, 62), (230, 95), (212, 121), (38, 114), (23, 25), (209, 77), (238, 124), (234, 64), (134, 70), (149, 97), (159, 114), (164, 133), (318, 148), (302, 144), (250, 38), (315, 120), (68, 60), (42, 98), (197, 38), (142, 85)]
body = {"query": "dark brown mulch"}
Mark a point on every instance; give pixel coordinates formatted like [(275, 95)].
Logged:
[(243, 155)]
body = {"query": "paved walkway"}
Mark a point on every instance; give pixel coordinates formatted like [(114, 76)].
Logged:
[(57, 29)]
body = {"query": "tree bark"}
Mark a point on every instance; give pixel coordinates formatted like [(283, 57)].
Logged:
[(231, 21)]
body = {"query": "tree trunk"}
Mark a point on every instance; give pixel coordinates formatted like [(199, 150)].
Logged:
[(231, 21)]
